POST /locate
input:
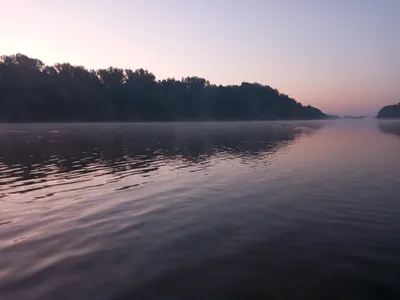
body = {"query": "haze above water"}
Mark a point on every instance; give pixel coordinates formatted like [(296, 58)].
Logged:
[(241, 210)]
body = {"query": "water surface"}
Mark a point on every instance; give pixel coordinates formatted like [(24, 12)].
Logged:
[(246, 210)]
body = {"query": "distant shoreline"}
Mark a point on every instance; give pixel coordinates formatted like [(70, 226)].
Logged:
[(31, 91)]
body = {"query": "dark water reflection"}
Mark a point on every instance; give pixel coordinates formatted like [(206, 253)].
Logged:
[(258, 210), (389, 127), (38, 156)]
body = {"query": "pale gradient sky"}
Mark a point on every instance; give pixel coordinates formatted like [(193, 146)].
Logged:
[(342, 56)]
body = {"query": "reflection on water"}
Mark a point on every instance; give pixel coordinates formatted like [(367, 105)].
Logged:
[(247, 210), (389, 127), (41, 157)]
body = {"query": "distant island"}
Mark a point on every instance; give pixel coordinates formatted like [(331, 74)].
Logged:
[(354, 117), (332, 117), (31, 91), (390, 112)]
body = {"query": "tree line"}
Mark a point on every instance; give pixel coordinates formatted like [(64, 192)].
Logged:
[(389, 112), (33, 91)]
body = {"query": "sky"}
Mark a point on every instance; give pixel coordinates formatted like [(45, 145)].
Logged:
[(342, 56)]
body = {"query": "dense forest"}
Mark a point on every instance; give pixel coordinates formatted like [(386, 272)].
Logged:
[(33, 91), (390, 112)]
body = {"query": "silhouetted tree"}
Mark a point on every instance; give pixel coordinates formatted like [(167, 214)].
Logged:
[(32, 91)]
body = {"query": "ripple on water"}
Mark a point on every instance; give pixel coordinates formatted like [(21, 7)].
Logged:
[(200, 211)]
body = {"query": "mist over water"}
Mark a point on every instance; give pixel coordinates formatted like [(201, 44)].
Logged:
[(231, 210)]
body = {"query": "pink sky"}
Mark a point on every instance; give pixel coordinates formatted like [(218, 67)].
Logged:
[(340, 56)]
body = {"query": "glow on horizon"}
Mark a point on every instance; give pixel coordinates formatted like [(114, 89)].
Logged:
[(340, 56)]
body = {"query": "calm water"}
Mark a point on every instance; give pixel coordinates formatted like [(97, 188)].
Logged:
[(278, 210)]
